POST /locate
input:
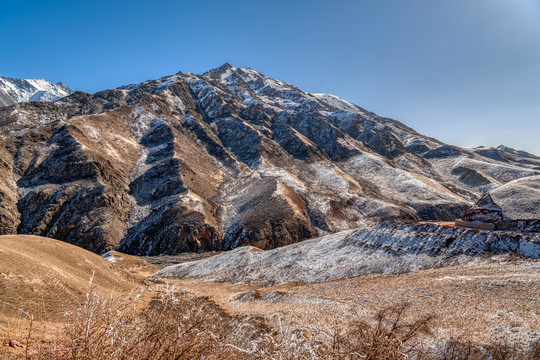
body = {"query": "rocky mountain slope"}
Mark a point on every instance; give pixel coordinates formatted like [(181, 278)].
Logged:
[(386, 247), (231, 157), (13, 91)]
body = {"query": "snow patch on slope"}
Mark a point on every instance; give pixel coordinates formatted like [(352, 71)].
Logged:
[(519, 199), (339, 103), (388, 248)]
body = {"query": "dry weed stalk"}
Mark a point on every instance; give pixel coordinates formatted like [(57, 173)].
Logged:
[(391, 337), (29, 318), (170, 328)]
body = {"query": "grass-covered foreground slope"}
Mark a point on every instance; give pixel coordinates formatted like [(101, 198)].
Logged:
[(42, 276), (475, 310)]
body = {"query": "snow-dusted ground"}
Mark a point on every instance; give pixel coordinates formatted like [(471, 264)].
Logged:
[(519, 199), (377, 248)]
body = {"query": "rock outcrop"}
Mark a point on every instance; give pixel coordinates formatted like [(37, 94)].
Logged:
[(228, 158), (385, 247)]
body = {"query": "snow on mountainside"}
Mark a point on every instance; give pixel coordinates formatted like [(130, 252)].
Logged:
[(225, 159), (387, 248), (13, 91), (339, 103), (519, 199)]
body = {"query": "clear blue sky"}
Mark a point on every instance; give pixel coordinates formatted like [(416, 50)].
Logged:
[(464, 71)]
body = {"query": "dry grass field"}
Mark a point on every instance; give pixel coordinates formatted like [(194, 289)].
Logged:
[(492, 300), (135, 265), (43, 278), (41, 274)]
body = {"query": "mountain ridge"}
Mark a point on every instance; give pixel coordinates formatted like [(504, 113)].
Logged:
[(224, 159)]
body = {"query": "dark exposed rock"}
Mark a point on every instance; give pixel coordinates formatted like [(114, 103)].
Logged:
[(443, 151), (268, 216), (470, 177)]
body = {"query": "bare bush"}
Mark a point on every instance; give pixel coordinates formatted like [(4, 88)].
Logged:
[(457, 349), (169, 328), (391, 337), (534, 351), (175, 326)]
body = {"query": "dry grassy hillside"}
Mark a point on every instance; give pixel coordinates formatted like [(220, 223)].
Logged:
[(488, 301), (41, 275), (135, 265)]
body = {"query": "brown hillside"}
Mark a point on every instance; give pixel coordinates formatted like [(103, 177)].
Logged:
[(44, 276), (135, 265)]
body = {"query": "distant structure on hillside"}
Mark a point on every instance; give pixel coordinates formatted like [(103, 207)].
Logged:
[(485, 214)]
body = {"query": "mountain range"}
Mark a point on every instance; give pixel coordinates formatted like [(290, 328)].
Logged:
[(13, 91), (224, 159)]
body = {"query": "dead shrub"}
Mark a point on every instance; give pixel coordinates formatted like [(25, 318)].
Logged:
[(534, 351), (457, 349), (169, 328), (390, 337)]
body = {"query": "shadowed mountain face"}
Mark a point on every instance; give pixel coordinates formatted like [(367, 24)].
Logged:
[(224, 159)]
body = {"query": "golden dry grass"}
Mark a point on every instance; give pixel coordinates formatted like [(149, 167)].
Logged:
[(177, 326), (42, 275), (332, 320)]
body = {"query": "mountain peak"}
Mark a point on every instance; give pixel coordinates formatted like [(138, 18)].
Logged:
[(226, 66), (221, 72), (13, 91), (512, 151)]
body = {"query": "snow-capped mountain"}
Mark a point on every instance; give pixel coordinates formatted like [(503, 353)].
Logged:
[(227, 158), (13, 91)]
